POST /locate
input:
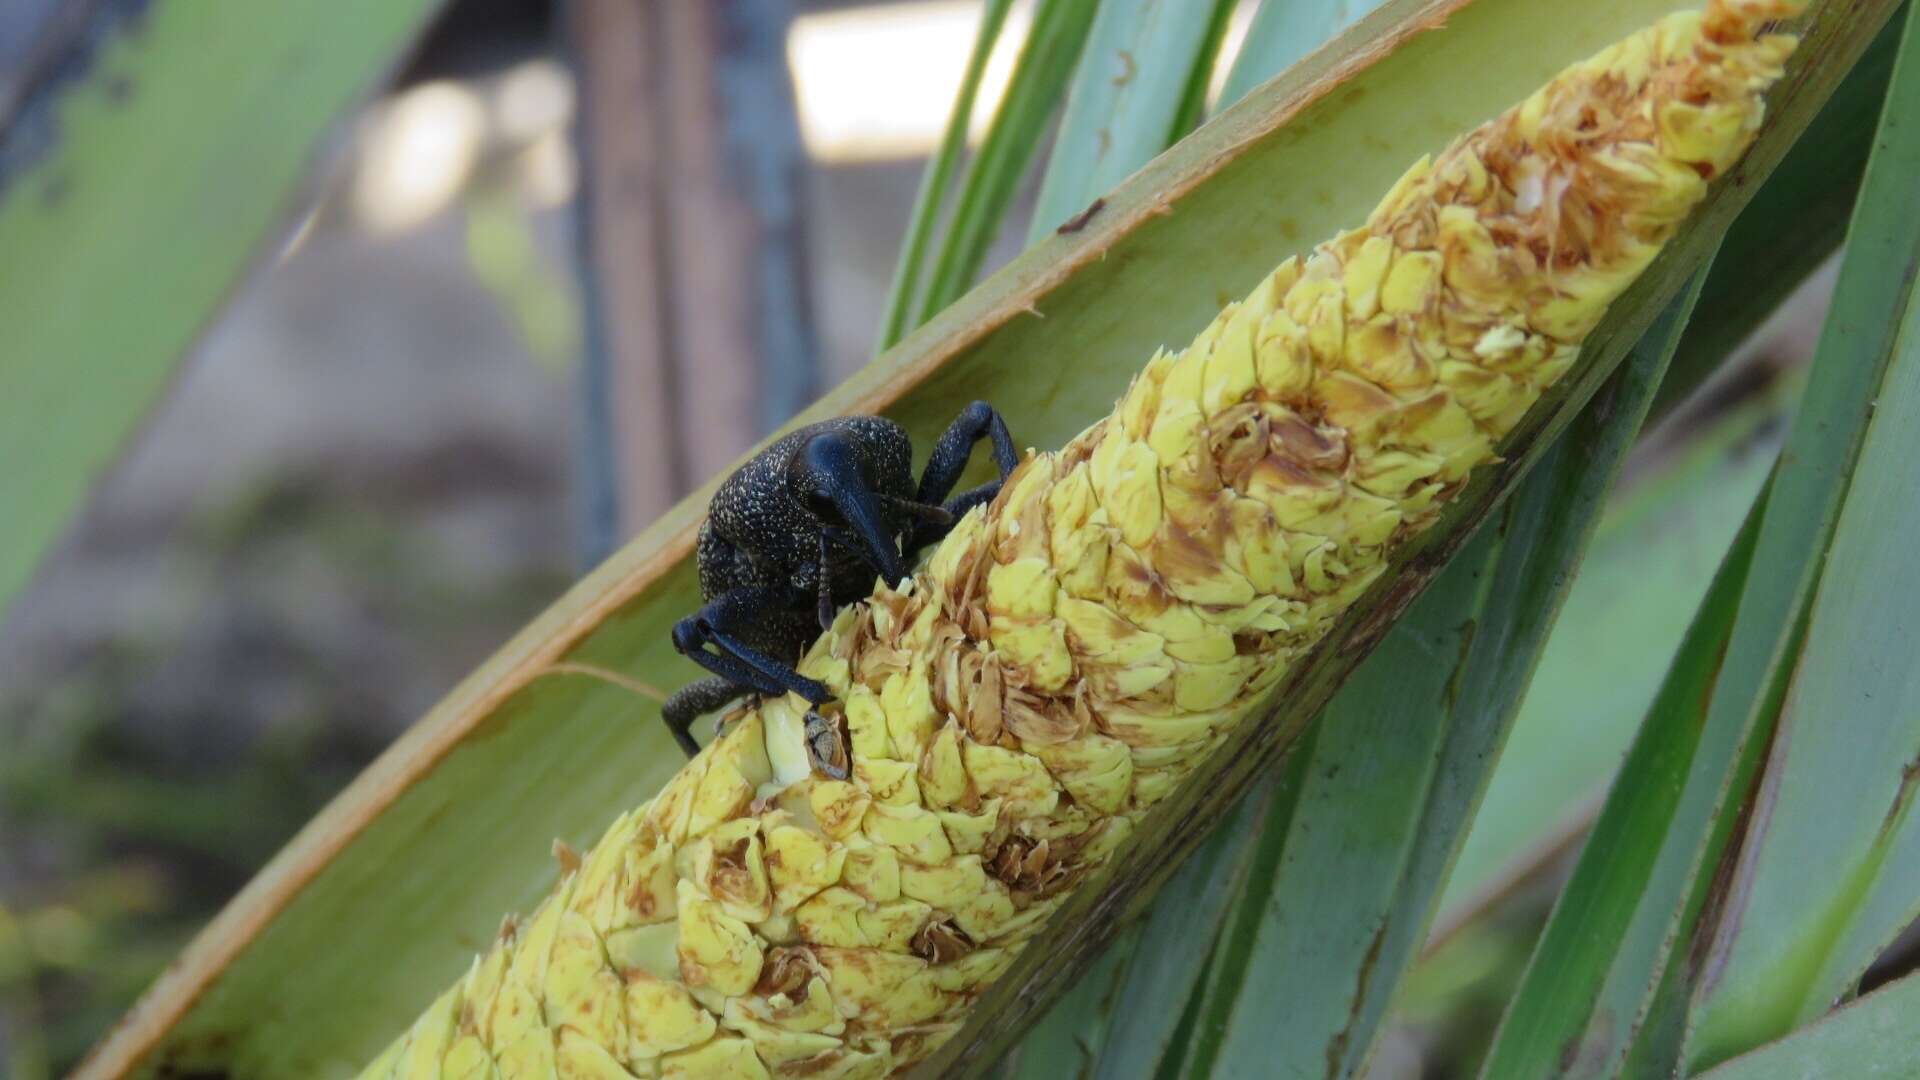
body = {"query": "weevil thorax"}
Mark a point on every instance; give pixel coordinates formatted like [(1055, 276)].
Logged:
[(1070, 654)]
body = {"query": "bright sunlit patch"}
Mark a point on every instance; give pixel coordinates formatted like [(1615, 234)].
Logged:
[(876, 83), (1231, 43), (549, 173), (419, 151), (533, 99)]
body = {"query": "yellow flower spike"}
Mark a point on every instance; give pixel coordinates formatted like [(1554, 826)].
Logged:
[(531, 1054), (724, 1058), (800, 863), (1038, 648), (651, 950), (776, 1046), (872, 871), (582, 992), (865, 1063), (717, 951), (832, 917), (468, 1059), (1131, 495), (943, 775), (1096, 770), (867, 725), (912, 832), (969, 833), (895, 783), (891, 926), (839, 807), (662, 1017), (907, 701), (979, 904), (1140, 729), (1019, 780), (1069, 653), (579, 1057), (881, 991), (807, 1007), (432, 1034), (728, 866)]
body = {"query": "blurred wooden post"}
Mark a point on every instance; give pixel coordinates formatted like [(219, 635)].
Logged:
[(701, 338)]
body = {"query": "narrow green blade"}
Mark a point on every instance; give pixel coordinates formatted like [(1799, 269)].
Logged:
[(138, 180), (1872, 1039), (933, 185), (1545, 1030), (1172, 946), (1127, 95), (1047, 61), (1831, 871), (1638, 588)]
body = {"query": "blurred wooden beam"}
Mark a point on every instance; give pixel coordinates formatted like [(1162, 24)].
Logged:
[(701, 337)]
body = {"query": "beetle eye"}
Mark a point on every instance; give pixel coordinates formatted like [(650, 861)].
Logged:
[(822, 507)]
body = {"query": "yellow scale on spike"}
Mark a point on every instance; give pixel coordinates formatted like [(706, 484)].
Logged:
[(1068, 656)]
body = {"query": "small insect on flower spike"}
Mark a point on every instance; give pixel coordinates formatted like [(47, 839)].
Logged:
[(1070, 652)]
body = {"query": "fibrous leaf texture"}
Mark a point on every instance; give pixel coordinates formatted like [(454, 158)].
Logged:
[(1068, 655)]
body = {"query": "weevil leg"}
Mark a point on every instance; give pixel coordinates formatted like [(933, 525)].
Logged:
[(949, 459), (830, 469), (735, 660), (694, 700)]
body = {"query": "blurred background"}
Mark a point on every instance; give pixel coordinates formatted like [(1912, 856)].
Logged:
[(404, 437)]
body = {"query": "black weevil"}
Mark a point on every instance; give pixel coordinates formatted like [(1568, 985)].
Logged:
[(799, 531)]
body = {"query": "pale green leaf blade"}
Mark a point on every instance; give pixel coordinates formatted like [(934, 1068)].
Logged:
[(1871, 1039), (1139, 60), (1831, 869), (137, 183), (1065, 1042), (1281, 33)]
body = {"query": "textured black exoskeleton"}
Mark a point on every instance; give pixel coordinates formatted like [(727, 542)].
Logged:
[(801, 530)]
